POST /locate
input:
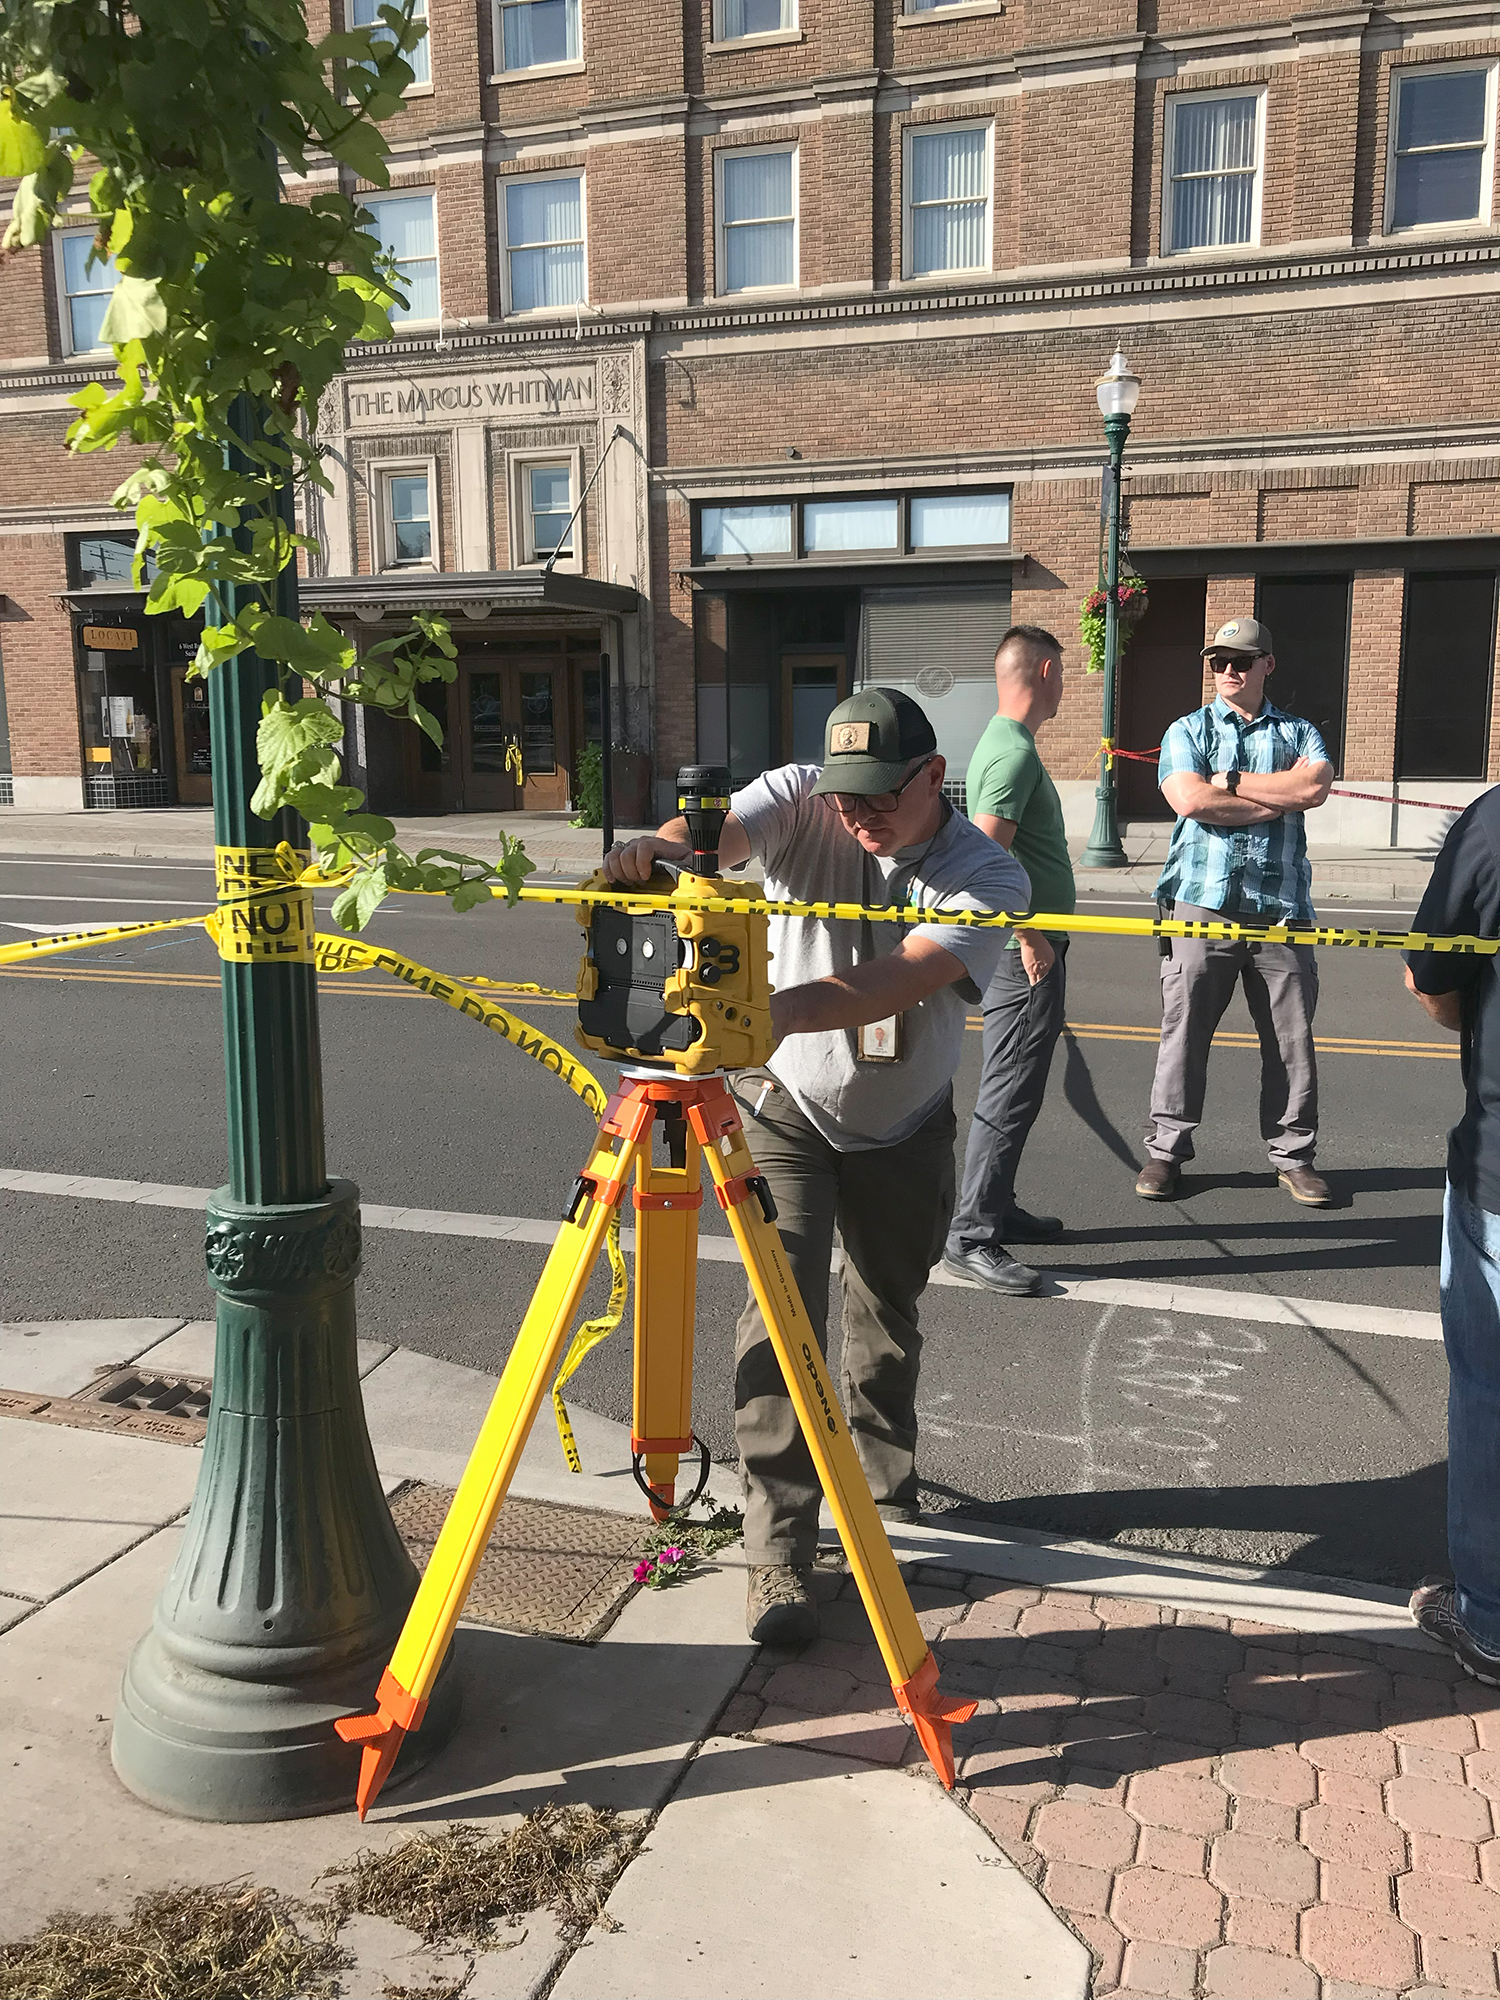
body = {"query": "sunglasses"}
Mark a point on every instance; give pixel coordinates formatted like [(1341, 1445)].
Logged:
[(1239, 664), (849, 803)]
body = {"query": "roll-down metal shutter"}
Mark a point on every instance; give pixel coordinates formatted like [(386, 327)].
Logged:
[(938, 645)]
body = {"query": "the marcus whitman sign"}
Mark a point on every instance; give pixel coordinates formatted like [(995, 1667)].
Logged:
[(517, 394)]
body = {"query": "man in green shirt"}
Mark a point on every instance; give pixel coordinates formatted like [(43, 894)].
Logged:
[(1012, 799)]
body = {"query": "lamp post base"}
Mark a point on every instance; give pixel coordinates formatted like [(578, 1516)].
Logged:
[(292, 1583), (1104, 849)]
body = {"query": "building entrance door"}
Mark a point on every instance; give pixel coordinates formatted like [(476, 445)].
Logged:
[(195, 781), (812, 686), (1161, 677), (511, 742)]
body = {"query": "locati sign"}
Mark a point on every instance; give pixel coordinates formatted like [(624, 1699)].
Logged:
[(495, 395)]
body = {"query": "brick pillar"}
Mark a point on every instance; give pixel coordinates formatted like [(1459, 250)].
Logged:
[(36, 639), (1374, 674), (1226, 597)]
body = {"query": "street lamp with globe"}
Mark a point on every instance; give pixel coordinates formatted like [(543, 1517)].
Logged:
[(1118, 392)]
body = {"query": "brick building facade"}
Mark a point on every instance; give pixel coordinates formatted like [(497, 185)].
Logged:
[(799, 304)]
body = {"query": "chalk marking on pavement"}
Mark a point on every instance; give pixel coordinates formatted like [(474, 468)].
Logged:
[(1211, 1302)]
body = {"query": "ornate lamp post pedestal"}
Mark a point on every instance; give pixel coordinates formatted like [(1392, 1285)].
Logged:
[(292, 1584), (1118, 392)]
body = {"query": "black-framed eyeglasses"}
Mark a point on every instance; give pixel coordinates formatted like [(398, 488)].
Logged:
[(878, 802)]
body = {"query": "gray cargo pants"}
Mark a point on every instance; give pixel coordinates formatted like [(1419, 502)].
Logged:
[(1021, 1025), (891, 1206), (1197, 984)]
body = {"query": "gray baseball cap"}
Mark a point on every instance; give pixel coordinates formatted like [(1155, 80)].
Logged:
[(869, 741), (1241, 635)]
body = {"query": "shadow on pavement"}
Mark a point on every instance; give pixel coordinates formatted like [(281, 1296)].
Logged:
[(1327, 1528)]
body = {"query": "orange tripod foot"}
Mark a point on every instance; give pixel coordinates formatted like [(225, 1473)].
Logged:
[(381, 1736), (933, 1715)]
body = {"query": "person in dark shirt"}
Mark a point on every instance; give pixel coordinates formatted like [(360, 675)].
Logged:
[(1462, 992)]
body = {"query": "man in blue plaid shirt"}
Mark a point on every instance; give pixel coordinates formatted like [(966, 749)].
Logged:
[(1239, 774)]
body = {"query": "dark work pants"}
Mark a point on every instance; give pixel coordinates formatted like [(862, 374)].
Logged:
[(891, 1206), (1021, 1025), (1197, 984)]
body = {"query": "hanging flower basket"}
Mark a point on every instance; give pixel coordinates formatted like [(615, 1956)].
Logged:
[(1133, 603)]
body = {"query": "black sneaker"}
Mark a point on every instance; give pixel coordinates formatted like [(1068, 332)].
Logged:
[(779, 1607), (1020, 1227), (996, 1270), (1434, 1609)]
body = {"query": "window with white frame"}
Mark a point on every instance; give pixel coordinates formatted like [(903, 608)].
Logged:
[(1441, 162), (830, 525), (545, 264), (406, 517), (960, 520), (407, 232), (931, 6), (756, 207), (740, 20), (547, 508), (947, 183), (536, 34), (86, 286), (1213, 169), (366, 14)]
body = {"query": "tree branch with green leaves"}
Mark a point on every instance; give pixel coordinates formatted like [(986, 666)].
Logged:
[(179, 117)]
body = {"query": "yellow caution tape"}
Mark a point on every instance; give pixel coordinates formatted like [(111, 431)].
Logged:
[(265, 914), (44, 947), (1085, 926), (342, 954)]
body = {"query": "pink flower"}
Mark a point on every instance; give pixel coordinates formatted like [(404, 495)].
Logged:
[(641, 1571), (670, 1556)]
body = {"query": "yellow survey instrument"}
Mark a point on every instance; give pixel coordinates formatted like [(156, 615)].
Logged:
[(687, 1097)]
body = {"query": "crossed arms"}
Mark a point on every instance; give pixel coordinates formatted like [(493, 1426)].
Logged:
[(1262, 795)]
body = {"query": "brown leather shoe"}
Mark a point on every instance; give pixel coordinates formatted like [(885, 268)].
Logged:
[(1303, 1185), (1158, 1180)]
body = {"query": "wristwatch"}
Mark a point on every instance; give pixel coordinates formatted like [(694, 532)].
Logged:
[(1231, 781)]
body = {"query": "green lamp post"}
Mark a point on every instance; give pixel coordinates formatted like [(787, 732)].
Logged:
[(292, 1583), (1118, 393)]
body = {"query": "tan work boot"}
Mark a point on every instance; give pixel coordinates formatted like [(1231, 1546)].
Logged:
[(779, 1608), (1158, 1180), (1303, 1185)]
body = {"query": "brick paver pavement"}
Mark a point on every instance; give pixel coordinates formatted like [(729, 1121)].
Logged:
[(1218, 1808)]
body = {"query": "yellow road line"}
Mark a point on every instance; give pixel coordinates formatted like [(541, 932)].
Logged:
[(1084, 1031)]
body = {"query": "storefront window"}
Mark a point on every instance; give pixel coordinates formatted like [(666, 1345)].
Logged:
[(960, 520), (1442, 721), (850, 524), (746, 531), (97, 559)]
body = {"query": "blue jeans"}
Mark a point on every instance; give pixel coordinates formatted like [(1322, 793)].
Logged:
[(1471, 1334)]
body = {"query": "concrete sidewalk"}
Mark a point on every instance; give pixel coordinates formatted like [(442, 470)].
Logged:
[(1341, 874), (1184, 1778)]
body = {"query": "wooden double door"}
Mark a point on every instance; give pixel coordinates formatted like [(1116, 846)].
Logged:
[(507, 737)]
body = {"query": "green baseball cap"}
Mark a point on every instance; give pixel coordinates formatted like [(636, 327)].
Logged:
[(870, 740)]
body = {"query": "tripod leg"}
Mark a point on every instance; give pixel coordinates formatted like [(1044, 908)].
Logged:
[(667, 1200), (407, 1681), (745, 1197)]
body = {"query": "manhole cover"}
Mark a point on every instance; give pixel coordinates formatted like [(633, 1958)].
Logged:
[(170, 1408), (560, 1571)]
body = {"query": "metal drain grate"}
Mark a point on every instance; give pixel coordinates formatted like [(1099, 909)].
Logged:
[(170, 1408), (560, 1571)]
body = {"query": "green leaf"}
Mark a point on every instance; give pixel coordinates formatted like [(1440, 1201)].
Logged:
[(355, 906), (22, 147), (427, 723), (135, 310), (469, 895)]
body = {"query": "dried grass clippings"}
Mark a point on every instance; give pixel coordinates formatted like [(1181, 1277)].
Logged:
[(223, 1941), (455, 1886)]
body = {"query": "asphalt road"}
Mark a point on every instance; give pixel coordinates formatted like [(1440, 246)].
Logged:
[(1234, 1437)]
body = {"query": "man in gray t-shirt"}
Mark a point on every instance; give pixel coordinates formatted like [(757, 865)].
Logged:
[(851, 1121)]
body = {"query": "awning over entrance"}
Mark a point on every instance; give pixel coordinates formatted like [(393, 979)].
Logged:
[(475, 594)]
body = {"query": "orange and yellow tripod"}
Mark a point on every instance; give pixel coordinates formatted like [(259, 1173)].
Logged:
[(700, 1122)]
